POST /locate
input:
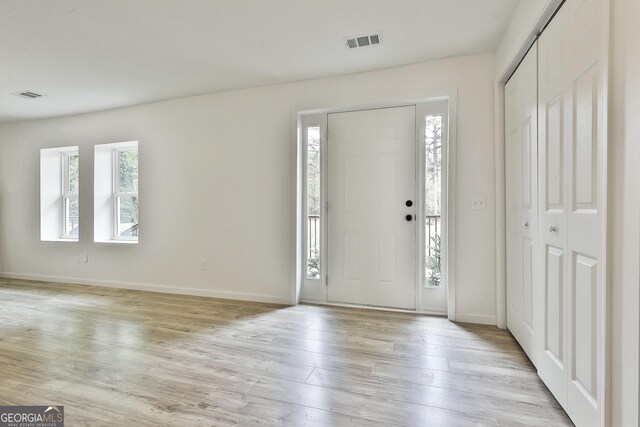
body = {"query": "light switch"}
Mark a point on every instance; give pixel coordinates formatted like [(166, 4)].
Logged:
[(478, 203)]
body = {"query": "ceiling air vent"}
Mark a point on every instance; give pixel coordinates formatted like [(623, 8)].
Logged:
[(362, 41), (28, 94)]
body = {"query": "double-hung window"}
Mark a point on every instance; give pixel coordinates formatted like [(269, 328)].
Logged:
[(116, 217), (70, 197), (125, 193), (59, 194)]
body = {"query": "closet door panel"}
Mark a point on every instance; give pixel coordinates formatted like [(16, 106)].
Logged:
[(571, 105), (554, 102), (586, 305), (521, 185), (513, 170)]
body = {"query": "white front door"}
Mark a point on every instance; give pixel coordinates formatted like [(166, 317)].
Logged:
[(371, 207)]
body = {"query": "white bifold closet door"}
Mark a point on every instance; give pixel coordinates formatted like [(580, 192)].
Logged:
[(571, 189), (521, 154)]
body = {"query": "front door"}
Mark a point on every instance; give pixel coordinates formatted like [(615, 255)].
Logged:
[(372, 207)]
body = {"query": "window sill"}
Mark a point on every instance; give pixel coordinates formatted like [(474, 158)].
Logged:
[(60, 240), (118, 242)]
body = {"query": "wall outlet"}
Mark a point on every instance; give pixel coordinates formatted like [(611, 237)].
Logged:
[(478, 203), (84, 259), (203, 264)]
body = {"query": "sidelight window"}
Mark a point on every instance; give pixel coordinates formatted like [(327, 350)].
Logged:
[(433, 199), (313, 202)]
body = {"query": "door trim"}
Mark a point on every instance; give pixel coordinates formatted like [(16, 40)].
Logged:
[(422, 110), (319, 294)]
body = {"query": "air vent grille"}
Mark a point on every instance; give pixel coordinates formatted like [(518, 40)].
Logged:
[(28, 94), (363, 41)]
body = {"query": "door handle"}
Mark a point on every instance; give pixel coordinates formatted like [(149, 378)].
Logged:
[(408, 217), (525, 224), (553, 228)]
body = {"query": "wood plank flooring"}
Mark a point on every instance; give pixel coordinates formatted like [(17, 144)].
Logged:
[(119, 357)]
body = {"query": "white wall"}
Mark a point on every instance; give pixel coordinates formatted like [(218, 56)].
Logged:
[(217, 182), (625, 211)]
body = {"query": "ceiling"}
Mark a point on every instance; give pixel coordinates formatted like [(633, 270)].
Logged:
[(89, 55)]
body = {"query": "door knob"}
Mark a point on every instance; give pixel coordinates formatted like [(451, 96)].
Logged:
[(525, 224), (553, 228), (408, 217), (409, 203)]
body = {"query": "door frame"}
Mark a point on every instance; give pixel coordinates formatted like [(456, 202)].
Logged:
[(315, 290)]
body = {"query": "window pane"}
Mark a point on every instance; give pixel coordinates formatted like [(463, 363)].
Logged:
[(313, 202), (72, 170), (128, 171), (71, 216), (127, 210), (433, 187)]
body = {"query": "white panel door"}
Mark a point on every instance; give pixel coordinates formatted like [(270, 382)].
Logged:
[(371, 230), (554, 140), (571, 222), (521, 154), (585, 182)]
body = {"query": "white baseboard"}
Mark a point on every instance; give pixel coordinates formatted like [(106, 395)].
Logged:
[(151, 288), (373, 307), (482, 319), (460, 317)]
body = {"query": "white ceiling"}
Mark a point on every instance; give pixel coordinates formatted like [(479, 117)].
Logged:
[(89, 55)]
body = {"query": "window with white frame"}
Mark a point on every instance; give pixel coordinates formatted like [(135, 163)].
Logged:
[(59, 194), (70, 194), (116, 201), (125, 193)]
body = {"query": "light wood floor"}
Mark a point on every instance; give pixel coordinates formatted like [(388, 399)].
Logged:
[(128, 358)]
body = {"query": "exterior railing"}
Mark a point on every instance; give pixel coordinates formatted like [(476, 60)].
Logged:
[(313, 240), (433, 228)]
